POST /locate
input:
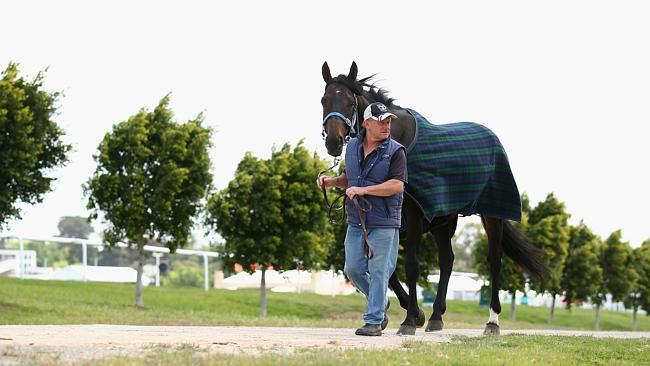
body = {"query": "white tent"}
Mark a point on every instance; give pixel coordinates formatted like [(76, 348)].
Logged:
[(461, 287)]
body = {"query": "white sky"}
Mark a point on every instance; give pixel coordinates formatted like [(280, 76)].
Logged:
[(565, 85)]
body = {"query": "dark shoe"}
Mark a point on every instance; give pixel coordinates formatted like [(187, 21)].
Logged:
[(384, 322), (369, 330)]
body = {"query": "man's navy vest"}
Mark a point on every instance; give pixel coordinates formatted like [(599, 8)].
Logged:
[(386, 212)]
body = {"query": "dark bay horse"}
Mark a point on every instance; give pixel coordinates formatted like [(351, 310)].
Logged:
[(344, 101)]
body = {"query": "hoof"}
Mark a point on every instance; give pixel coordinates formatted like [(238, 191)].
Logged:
[(491, 329), (406, 330), (419, 321), (434, 325)]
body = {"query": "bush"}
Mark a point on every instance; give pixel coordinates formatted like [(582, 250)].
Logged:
[(184, 276)]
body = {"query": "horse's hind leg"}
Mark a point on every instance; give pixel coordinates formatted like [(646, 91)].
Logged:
[(442, 234), (414, 315), (494, 230)]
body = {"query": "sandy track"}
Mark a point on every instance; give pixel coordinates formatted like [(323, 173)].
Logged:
[(80, 342)]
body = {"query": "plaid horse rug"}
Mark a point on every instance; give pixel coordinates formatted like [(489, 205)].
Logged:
[(460, 168)]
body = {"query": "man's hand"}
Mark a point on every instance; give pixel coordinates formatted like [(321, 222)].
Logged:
[(324, 181), (355, 191)]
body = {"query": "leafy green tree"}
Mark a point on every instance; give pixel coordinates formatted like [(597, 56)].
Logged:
[(47, 254), (185, 273), (74, 227), (427, 256), (638, 263), (116, 256), (614, 260), (336, 254), (271, 214), (337, 226), (548, 228), (601, 290), (551, 206), (30, 142), (643, 283), (464, 244), (582, 271), (525, 203), (151, 177)]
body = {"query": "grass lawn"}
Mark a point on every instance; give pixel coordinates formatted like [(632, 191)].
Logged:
[(63, 302), (506, 350)]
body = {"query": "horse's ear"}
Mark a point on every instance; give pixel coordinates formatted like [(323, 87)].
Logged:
[(353, 71), (327, 75)]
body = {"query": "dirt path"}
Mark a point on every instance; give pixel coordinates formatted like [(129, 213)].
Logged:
[(83, 342)]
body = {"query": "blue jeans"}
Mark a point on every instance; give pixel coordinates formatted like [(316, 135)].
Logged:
[(371, 276)]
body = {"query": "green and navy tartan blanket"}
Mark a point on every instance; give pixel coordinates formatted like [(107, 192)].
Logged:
[(460, 168)]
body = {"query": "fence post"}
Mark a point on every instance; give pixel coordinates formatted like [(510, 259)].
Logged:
[(157, 255), (205, 271)]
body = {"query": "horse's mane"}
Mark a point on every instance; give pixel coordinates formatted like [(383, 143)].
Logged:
[(367, 87)]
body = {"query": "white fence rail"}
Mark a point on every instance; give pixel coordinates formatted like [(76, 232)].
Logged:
[(157, 253)]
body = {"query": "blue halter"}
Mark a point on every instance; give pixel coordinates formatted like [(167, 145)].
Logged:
[(351, 123)]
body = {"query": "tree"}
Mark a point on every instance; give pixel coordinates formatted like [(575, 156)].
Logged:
[(427, 256), (30, 142), (643, 283), (582, 271), (525, 203), (464, 245), (74, 227), (548, 228), (185, 273), (151, 177), (271, 214), (639, 265), (338, 227), (47, 253), (551, 206), (614, 259)]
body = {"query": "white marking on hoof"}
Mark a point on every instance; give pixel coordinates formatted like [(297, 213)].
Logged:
[(494, 317)]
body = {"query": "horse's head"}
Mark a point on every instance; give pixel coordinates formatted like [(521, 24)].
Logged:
[(340, 109)]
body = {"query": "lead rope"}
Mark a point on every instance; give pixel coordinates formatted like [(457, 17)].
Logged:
[(328, 205), (368, 251)]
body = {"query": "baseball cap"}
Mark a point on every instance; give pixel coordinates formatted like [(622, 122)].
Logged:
[(377, 111)]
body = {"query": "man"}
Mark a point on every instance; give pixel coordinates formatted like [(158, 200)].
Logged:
[(375, 168)]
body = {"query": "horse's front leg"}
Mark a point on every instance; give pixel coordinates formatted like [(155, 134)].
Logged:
[(414, 315), (399, 291), (442, 235)]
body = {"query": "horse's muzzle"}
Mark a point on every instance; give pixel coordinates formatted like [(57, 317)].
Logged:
[(334, 145)]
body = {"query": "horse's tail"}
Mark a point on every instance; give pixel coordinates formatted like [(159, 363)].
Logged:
[(518, 246)]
